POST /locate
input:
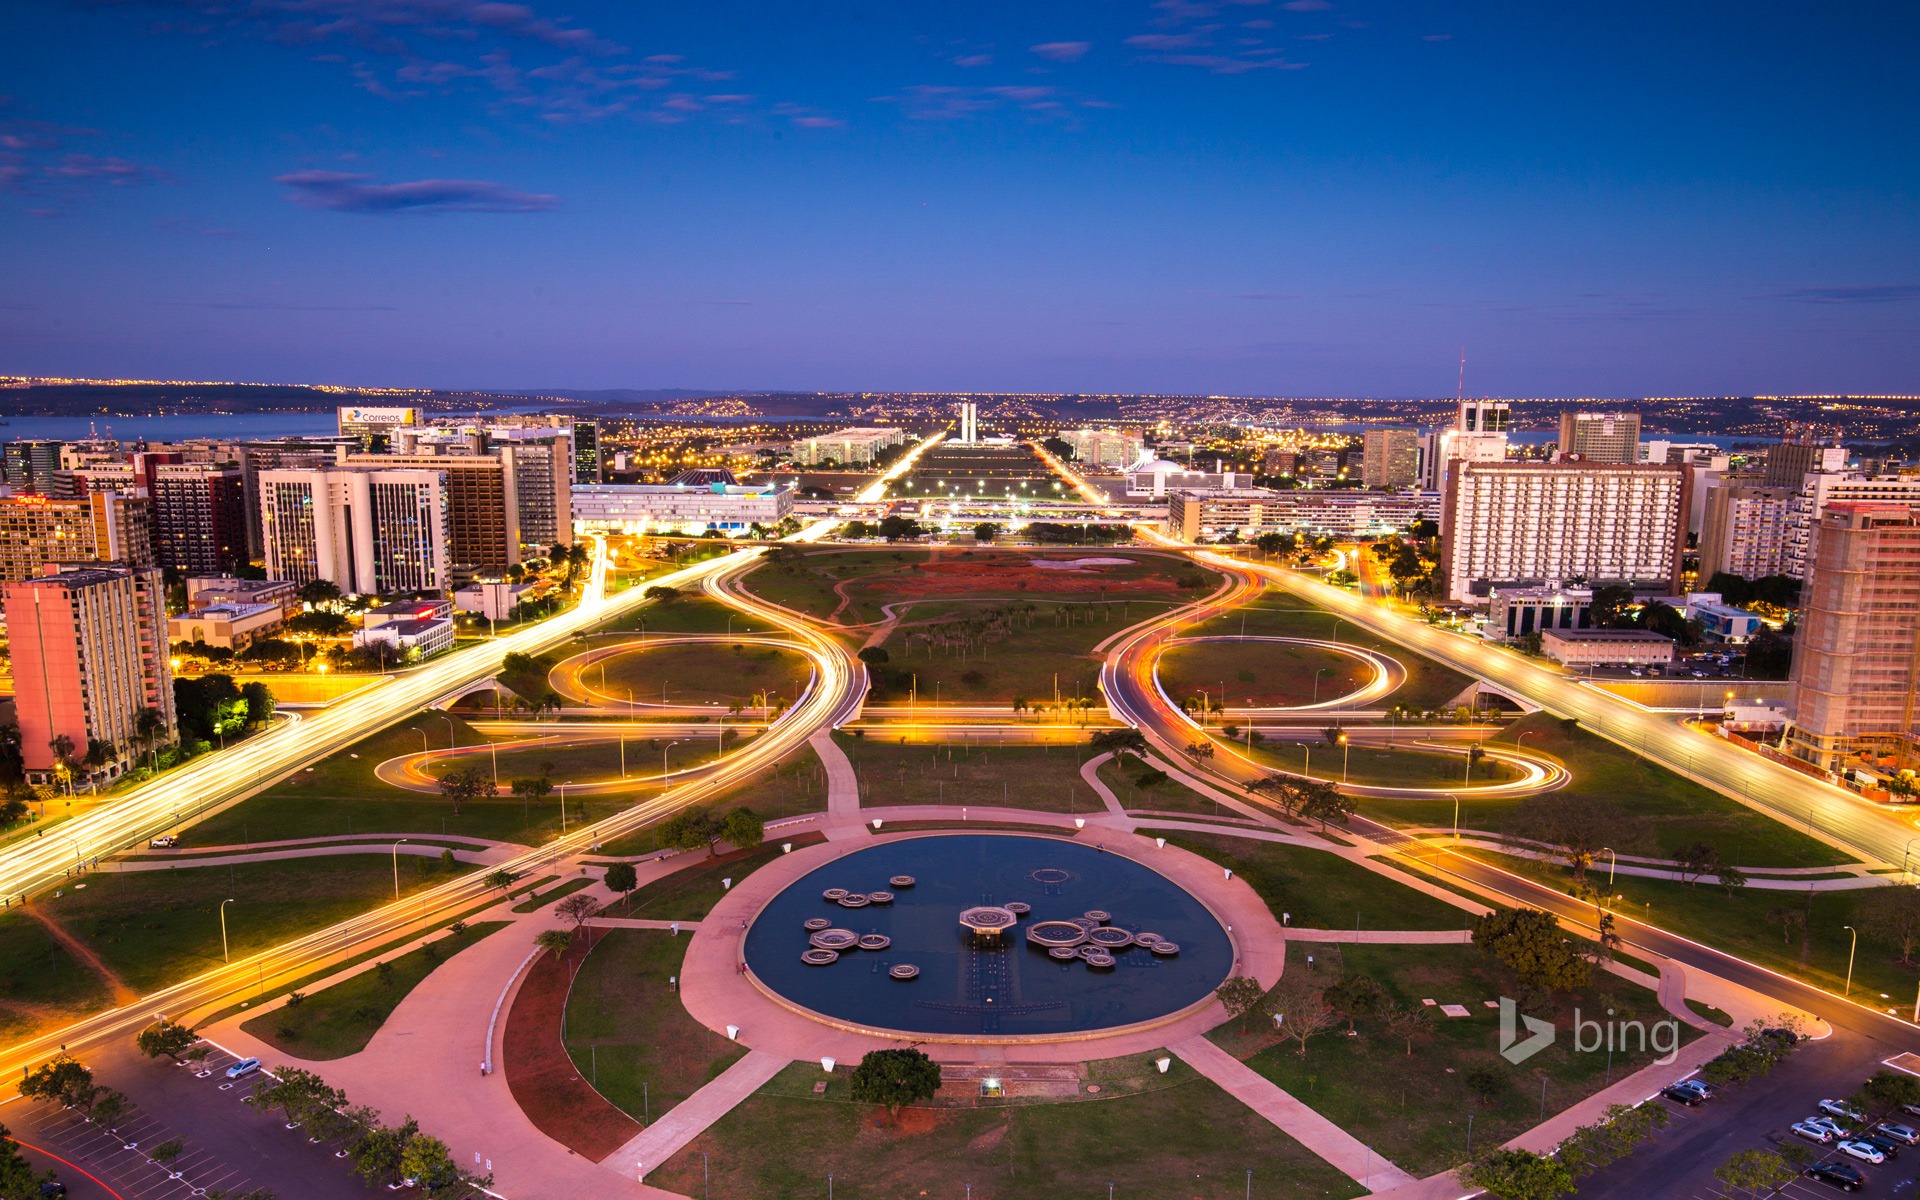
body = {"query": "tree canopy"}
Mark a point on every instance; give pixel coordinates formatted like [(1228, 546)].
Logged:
[(894, 1078)]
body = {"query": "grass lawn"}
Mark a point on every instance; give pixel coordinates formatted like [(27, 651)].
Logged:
[(1052, 655), (537, 899), (1414, 1109), (1377, 765), (591, 761), (625, 1025), (691, 892), (692, 612), (1429, 685), (698, 675), (1258, 674), (41, 983), (340, 1020), (1320, 889), (1169, 797), (1045, 778), (797, 785), (1187, 1138), (1680, 811), (1740, 925), (154, 928)]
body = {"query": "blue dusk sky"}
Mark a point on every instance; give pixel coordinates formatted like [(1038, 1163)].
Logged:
[(1268, 197)]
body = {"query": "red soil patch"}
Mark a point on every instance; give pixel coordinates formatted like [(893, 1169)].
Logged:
[(544, 1082), (964, 578)]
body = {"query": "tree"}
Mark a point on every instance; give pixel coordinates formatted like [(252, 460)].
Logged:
[(1769, 654), (874, 656), (1119, 742), (319, 624), (986, 531), (661, 592), (1529, 943), (743, 829), (426, 1161), (691, 829), (260, 702), (557, 940), (1888, 1090), (63, 1080), (1324, 802), (17, 1177), (1240, 995), (1694, 861), (165, 1038), (622, 878), (1356, 996), (296, 1093), (1731, 878), (1613, 1137), (1409, 1022), (1891, 916), (1301, 1009), (1756, 1171), (894, 1078), (499, 879), (108, 1107), (466, 784), (1610, 606), (377, 1153), (577, 908), (896, 529), (1519, 1175), (167, 1151), (320, 593)]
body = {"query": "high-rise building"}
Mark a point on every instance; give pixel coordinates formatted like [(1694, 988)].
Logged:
[(1855, 673), (1478, 434), (1518, 523), (587, 466), (1600, 437), (969, 422), (27, 466), (1745, 530), (483, 517), (1484, 416), (540, 468), (1818, 489), (90, 656), (1392, 457), (104, 527), (265, 455), (367, 530), (199, 517), (1790, 461), (374, 426)]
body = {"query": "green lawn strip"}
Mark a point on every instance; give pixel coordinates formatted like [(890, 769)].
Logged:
[(690, 613), (1436, 878), (531, 886), (1679, 811), (536, 901), (625, 1025), (153, 928), (532, 684), (602, 759), (1190, 1139), (1378, 766), (1049, 653), (691, 892), (1319, 888), (794, 787), (1741, 926), (1708, 1012), (41, 983), (1429, 685), (340, 1020), (187, 851), (894, 772), (1414, 1108), (1166, 796), (704, 674), (1260, 675)]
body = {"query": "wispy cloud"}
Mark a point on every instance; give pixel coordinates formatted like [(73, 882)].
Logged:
[(37, 158), (1176, 42), (272, 306), (1885, 293), (340, 192), (930, 102), (116, 172), (973, 60), (1061, 51)]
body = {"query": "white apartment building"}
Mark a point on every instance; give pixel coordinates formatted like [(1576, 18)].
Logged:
[(1746, 529), (1113, 448), (368, 530), (1515, 523), (1391, 457), (679, 508), (1212, 512), (1821, 488), (848, 447)]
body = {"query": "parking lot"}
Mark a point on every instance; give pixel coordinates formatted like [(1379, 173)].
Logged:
[(226, 1144), (1758, 1115)]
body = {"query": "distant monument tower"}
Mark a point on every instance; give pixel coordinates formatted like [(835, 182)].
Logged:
[(969, 422)]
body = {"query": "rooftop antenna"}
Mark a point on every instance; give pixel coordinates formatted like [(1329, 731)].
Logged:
[(1462, 397)]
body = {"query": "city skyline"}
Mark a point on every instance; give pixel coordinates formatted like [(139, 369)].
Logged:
[(1268, 199)]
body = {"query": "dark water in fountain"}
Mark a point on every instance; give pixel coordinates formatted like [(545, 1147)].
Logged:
[(964, 988)]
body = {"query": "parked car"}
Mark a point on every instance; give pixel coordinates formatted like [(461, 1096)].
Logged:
[(1831, 1126), (1698, 1087), (52, 1188), (1904, 1134), (1785, 1037), (243, 1068), (1681, 1095), (164, 842), (1864, 1151), (1838, 1175), (1840, 1109), (1812, 1132), (1884, 1145)]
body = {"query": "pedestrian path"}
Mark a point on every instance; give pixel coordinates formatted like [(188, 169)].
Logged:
[(689, 1118), (843, 788), (1384, 937), (1344, 1152), (1090, 771)]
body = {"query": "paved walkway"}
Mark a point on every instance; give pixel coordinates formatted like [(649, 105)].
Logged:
[(1386, 937), (1787, 879), (689, 1118), (1346, 1153), (641, 923), (843, 788), (1090, 771)]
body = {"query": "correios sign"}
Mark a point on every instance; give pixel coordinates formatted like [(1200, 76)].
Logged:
[(379, 416)]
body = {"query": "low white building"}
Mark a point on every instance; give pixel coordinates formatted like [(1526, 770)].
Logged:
[(406, 610), (492, 599), (1606, 647), (679, 508), (1515, 612), (226, 626), (1722, 622), (1157, 478), (1196, 513), (848, 447), (429, 636)]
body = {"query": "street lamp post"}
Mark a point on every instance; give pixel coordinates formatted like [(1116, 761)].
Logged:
[(1613, 861), (1346, 748), (1850, 950), (452, 733), (1456, 816), (396, 869), (663, 762), (1905, 869), (224, 955), (1316, 682)]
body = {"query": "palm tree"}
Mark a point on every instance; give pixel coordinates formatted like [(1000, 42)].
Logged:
[(62, 747), (148, 726)]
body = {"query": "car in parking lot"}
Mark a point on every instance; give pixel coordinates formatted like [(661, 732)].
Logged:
[(1885, 1145), (1680, 1094), (1840, 1109), (1831, 1126), (243, 1068), (1812, 1132), (1698, 1087), (1839, 1175), (1864, 1151), (1904, 1134)]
